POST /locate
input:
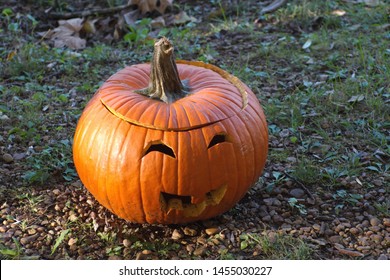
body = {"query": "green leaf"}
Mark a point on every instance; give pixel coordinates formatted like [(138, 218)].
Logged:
[(8, 252), (293, 139), (7, 12), (373, 168), (59, 240), (244, 244)]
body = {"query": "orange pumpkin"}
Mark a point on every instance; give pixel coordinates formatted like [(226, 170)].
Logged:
[(152, 148)]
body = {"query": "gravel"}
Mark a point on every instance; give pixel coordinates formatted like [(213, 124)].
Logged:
[(35, 225)]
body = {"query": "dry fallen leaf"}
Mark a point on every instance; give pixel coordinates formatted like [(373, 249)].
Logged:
[(151, 5), (307, 44), (89, 26), (356, 98), (183, 18), (67, 34), (339, 13)]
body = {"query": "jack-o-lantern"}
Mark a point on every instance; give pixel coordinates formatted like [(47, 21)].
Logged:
[(170, 143)]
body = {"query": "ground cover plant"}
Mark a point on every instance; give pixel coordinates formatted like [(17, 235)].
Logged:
[(321, 70)]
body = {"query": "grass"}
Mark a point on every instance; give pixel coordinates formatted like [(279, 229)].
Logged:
[(277, 247)]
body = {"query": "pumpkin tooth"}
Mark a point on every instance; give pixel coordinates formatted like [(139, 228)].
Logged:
[(193, 207), (194, 210), (214, 197)]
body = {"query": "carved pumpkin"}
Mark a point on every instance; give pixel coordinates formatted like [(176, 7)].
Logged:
[(167, 143)]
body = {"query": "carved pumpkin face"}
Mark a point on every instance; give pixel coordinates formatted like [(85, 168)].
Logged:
[(150, 161)]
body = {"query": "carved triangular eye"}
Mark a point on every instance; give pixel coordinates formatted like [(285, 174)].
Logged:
[(159, 147), (218, 138)]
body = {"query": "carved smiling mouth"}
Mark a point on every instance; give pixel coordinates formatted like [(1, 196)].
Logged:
[(184, 203)]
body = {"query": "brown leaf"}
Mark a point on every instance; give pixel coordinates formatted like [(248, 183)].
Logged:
[(71, 42), (67, 34), (183, 18), (89, 26), (131, 17)]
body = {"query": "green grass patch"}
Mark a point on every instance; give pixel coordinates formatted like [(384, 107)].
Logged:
[(281, 247)]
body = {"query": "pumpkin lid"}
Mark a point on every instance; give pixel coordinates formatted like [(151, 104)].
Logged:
[(214, 95)]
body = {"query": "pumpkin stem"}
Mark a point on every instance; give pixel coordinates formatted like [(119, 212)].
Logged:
[(164, 83)]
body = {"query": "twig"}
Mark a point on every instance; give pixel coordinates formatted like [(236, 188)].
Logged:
[(301, 185), (273, 6), (86, 13)]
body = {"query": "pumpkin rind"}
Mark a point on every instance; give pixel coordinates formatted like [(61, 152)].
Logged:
[(118, 124)]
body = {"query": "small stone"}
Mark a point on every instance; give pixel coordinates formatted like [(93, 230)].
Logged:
[(320, 242), (375, 221), (278, 219), (8, 158), (316, 227), (212, 230), (176, 235), (6, 236), (339, 228), (72, 218), (276, 202), (266, 218), (306, 229), (72, 241), (90, 202), (189, 231), (201, 240), (363, 248), (386, 222), (286, 227), (376, 238), (115, 257), (350, 253), (200, 251), (359, 218), (56, 192), (268, 201), (19, 156), (31, 231), (311, 201), (377, 182), (335, 239), (375, 228), (190, 248), (363, 241), (365, 223), (328, 232), (297, 193), (146, 252), (28, 239), (127, 243), (3, 229), (291, 159), (354, 231), (383, 257)]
